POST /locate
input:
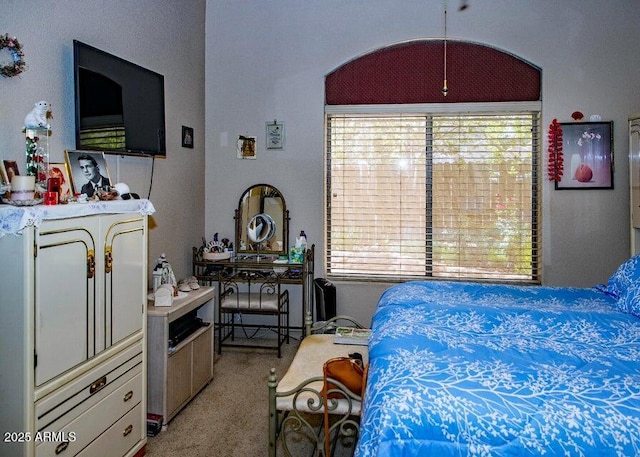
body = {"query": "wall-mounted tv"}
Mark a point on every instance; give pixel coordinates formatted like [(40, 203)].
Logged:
[(119, 105)]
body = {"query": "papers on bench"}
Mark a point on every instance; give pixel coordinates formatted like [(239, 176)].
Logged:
[(351, 335)]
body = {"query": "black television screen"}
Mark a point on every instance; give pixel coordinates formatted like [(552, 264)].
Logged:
[(119, 105)]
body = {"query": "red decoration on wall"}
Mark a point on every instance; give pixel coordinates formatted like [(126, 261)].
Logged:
[(577, 116), (555, 168)]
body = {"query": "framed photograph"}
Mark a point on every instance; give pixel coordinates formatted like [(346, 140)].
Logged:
[(246, 147), (187, 137), (87, 170), (275, 135), (60, 171), (3, 176), (10, 168), (588, 155)]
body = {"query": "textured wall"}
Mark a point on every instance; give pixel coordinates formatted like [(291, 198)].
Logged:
[(165, 36), (268, 60)]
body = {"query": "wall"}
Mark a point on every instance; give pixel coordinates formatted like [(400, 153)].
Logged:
[(267, 60), (163, 35)]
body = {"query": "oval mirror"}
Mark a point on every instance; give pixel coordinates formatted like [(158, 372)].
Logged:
[(261, 228), (262, 215)]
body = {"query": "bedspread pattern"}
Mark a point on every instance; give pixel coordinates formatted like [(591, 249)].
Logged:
[(459, 369)]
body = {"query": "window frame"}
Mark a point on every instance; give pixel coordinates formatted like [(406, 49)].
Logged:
[(439, 109)]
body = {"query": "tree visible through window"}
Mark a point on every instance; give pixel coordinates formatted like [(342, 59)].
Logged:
[(432, 195)]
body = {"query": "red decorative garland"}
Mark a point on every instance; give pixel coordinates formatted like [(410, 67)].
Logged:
[(555, 168)]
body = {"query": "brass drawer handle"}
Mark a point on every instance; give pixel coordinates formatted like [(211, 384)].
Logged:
[(127, 430), (61, 447), (91, 264), (128, 396), (108, 260), (97, 385)]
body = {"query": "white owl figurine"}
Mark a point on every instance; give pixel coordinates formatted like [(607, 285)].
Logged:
[(37, 117)]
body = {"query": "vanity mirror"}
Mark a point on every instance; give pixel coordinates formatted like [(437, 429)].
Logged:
[(262, 222)]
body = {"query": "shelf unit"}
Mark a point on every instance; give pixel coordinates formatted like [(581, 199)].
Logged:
[(177, 374)]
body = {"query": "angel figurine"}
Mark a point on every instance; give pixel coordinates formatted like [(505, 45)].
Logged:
[(164, 271)]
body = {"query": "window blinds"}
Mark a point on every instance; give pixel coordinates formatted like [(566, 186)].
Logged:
[(432, 195)]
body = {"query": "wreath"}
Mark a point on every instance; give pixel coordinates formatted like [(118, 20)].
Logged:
[(15, 48)]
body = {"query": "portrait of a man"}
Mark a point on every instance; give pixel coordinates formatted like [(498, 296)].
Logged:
[(88, 171)]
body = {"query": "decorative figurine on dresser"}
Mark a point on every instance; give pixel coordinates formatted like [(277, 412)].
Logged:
[(73, 332), (36, 131)]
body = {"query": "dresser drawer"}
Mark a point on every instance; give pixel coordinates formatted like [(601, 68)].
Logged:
[(120, 438), (85, 428), (71, 400)]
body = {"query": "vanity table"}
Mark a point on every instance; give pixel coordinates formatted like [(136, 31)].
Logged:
[(252, 273), (255, 280)]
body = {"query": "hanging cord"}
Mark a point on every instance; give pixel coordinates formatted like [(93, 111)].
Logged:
[(445, 89), (153, 167)]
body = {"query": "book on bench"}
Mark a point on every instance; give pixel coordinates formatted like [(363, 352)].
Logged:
[(351, 335)]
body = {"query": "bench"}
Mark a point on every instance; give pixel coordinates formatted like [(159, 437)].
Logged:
[(296, 397)]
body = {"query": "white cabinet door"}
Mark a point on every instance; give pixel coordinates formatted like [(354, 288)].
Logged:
[(65, 296), (124, 278)]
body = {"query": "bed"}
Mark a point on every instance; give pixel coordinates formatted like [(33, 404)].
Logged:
[(463, 369)]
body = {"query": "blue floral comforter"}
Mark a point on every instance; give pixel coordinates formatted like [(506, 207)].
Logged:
[(460, 369)]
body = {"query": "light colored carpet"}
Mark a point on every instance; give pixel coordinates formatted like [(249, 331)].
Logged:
[(229, 416)]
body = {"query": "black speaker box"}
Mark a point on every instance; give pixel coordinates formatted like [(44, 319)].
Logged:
[(325, 299)]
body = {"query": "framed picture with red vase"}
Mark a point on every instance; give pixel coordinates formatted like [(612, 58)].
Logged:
[(588, 155)]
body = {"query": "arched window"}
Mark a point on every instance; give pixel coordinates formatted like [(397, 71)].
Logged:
[(420, 184)]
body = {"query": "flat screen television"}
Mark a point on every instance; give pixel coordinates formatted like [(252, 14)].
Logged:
[(119, 105)]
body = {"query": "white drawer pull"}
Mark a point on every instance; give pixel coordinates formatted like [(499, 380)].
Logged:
[(128, 396), (127, 430), (61, 447)]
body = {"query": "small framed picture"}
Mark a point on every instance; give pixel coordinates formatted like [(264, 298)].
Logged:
[(10, 169), (60, 171), (275, 135), (588, 155), (187, 137), (3, 176), (88, 171), (246, 148)]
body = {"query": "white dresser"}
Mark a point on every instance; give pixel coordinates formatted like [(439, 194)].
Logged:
[(73, 285)]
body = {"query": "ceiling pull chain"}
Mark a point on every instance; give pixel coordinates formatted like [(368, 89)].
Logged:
[(445, 89)]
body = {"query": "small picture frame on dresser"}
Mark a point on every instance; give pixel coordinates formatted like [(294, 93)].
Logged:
[(60, 171), (3, 176), (9, 169)]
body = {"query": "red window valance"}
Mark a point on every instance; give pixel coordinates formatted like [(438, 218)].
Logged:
[(412, 72)]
